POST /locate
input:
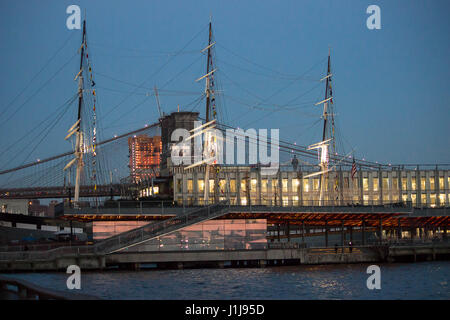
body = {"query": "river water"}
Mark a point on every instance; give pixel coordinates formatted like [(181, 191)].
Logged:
[(422, 280)]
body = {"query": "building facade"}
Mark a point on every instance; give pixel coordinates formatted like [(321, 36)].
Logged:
[(145, 156), (244, 185)]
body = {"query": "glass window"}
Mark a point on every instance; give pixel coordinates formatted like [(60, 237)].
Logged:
[(232, 185), (433, 200), (395, 183), (201, 185), (316, 183), (404, 184), (366, 184), (385, 184), (211, 186), (413, 183), (179, 185), (285, 201), (306, 185), (441, 183), (413, 199), (264, 183), (243, 201), (442, 199), (222, 186), (295, 200), (189, 186), (243, 185), (253, 184), (375, 184), (423, 198), (295, 184), (432, 183), (285, 185), (274, 185), (404, 197), (423, 183)]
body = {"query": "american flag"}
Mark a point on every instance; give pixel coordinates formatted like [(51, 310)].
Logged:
[(353, 169)]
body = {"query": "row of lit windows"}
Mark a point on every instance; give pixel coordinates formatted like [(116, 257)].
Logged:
[(310, 185), (294, 200)]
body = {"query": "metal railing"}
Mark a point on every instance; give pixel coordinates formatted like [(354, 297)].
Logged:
[(125, 239), (154, 230), (14, 289)]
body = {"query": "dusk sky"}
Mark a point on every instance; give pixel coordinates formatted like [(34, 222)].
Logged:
[(390, 86)]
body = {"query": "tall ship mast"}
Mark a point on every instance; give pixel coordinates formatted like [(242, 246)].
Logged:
[(328, 138), (85, 132)]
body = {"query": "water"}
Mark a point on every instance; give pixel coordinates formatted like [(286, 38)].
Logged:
[(424, 280)]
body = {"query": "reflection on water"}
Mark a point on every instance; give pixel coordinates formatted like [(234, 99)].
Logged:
[(426, 280)]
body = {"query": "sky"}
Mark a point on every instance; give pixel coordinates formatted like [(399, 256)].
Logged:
[(390, 86)]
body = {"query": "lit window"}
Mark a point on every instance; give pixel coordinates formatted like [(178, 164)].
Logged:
[(189, 186), (295, 184), (274, 185), (442, 199), (201, 185), (423, 183), (394, 184), (432, 183), (306, 185), (243, 185), (375, 184), (423, 198), (233, 185), (264, 185), (211, 186), (285, 185), (404, 184), (222, 186), (316, 183), (253, 185), (385, 184), (366, 184)]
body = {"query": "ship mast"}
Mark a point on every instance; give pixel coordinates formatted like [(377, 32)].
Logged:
[(79, 151), (76, 127), (324, 156), (323, 146), (210, 139)]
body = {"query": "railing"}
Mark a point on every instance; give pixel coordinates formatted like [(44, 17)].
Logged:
[(13, 289), (125, 239), (153, 230)]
